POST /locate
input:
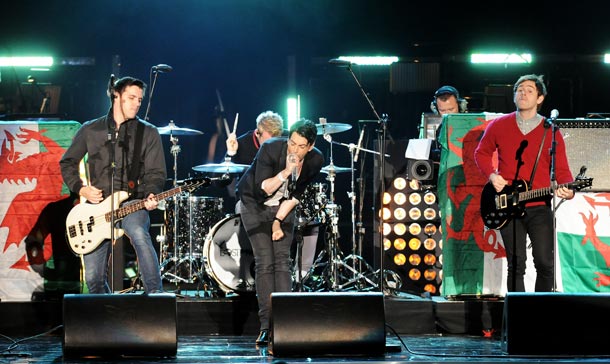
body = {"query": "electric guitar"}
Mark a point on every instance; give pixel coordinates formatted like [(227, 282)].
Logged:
[(498, 208), (88, 225)]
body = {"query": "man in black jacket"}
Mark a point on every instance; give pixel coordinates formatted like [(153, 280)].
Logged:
[(269, 191), (109, 142)]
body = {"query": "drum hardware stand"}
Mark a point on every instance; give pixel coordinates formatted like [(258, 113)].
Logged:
[(332, 249), (299, 240), (173, 274), (356, 256)]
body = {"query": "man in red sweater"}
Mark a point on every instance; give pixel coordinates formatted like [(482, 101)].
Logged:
[(517, 137)]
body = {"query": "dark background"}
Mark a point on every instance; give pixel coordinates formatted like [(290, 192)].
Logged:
[(256, 53)]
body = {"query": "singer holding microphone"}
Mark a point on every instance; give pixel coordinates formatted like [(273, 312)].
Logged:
[(269, 191), (523, 140)]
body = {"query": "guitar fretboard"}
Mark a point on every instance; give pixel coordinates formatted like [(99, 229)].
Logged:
[(133, 207)]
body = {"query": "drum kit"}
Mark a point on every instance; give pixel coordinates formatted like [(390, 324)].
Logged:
[(198, 245)]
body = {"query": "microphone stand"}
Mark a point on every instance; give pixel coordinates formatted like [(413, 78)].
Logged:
[(152, 90), (112, 137), (553, 178), (382, 132)]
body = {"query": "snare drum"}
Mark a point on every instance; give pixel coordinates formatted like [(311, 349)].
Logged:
[(228, 257), (195, 215)]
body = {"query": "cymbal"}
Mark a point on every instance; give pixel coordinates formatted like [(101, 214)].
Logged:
[(224, 167), (172, 129), (336, 169), (331, 128)]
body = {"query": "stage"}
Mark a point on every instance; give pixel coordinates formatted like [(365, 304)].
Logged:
[(223, 330)]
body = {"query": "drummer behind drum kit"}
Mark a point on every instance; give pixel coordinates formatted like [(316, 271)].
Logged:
[(199, 245)]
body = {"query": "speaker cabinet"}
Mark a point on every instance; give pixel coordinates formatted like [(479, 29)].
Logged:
[(556, 323), (587, 145), (327, 323), (110, 325)]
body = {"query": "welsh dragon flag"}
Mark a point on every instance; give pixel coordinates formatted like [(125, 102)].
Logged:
[(30, 180), (474, 259)]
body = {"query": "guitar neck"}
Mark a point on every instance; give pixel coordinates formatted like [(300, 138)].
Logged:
[(133, 207), (539, 192)]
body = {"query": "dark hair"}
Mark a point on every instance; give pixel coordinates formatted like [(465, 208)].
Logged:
[(305, 128), (122, 83), (538, 80)]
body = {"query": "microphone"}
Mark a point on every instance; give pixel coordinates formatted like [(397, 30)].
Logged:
[(359, 145), (340, 62), (522, 147), (554, 114), (292, 159), (551, 120), (162, 68), (111, 94)]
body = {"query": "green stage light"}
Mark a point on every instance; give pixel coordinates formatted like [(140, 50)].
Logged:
[(370, 60), (293, 110), (607, 58), (26, 61), (502, 58)]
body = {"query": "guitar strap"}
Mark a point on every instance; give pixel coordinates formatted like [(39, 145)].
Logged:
[(537, 159), (132, 183)]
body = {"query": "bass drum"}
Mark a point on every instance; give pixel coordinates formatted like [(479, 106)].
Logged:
[(228, 257)]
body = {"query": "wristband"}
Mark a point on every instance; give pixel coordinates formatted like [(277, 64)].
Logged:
[(278, 219), (281, 177)]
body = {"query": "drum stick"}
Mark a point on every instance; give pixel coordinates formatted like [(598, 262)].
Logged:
[(235, 123), (226, 126)]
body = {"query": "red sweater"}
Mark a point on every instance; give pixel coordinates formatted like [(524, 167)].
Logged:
[(504, 135)]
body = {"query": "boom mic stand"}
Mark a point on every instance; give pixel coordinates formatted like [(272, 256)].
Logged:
[(382, 130), (155, 70)]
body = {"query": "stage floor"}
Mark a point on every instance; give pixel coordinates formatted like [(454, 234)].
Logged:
[(224, 329), (241, 349)]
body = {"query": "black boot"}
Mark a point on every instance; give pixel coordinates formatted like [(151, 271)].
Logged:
[(263, 337)]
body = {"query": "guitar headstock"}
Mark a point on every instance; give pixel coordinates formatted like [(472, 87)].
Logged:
[(191, 184), (581, 182)]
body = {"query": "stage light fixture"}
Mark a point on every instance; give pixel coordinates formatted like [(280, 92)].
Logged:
[(370, 60), (26, 61), (501, 58), (410, 235), (293, 110)]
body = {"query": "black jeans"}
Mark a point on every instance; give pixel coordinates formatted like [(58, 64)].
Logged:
[(537, 223), (271, 258)]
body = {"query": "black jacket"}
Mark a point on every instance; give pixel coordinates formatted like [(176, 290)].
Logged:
[(269, 161), (92, 139)]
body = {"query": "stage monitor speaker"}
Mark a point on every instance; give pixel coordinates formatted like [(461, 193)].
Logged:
[(114, 325), (587, 145), (327, 323), (556, 323)]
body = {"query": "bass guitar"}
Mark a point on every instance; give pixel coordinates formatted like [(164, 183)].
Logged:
[(498, 208), (88, 225)]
